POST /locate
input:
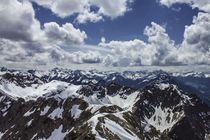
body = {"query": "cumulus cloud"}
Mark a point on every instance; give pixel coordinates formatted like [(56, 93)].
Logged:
[(196, 45), (160, 41), (23, 41), (159, 50), (64, 8), (65, 35), (107, 8), (82, 8), (15, 53), (89, 57), (198, 34), (200, 4), (88, 15), (18, 22)]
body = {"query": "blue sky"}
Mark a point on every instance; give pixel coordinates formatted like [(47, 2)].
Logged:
[(132, 24), (104, 33)]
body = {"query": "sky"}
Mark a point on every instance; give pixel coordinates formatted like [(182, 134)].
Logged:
[(104, 33)]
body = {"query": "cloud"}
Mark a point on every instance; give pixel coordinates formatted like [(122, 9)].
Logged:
[(176, 9), (103, 39), (107, 8), (196, 45), (198, 34), (87, 15), (159, 50), (23, 42), (19, 52), (200, 4), (65, 8), (66, 35), (15, 55), (88, 57), (18, 22)]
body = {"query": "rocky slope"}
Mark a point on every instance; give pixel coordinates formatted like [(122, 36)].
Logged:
[(38, 107)]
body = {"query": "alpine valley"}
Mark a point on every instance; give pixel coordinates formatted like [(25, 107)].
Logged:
[(91, 105)]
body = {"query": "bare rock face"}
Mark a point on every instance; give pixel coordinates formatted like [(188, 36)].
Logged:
[(173, 112), (62, 110), (23, 120)]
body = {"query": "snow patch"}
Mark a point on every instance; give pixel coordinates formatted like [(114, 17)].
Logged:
[(45, 110), (163, 86), (28, 113), (127, 103), (57, 134), (2, 134), (70, 91), (163, 119), (75, 111), (34, 136), (29, 123), (57, 113), (119, 130), (93, 122)]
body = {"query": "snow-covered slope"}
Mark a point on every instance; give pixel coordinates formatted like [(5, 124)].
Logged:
[(34, 91)]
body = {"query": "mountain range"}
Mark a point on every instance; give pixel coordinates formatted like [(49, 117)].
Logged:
[(86, 105)]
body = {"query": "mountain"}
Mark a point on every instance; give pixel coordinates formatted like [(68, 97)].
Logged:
[(65, 104), (191, 82)]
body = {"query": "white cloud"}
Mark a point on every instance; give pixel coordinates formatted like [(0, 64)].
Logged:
[(103, 39), (23, 42), (64, 8), (159, 50), (65, 35), (110, 9), (200, 4), (87, 15), (15, 55), (160, 41), (198, 34), (18, 22), (196, 45), (86, 57), (20, 53)]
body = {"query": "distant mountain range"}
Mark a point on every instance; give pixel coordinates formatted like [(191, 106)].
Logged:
[(192, 82), (87, 105)]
